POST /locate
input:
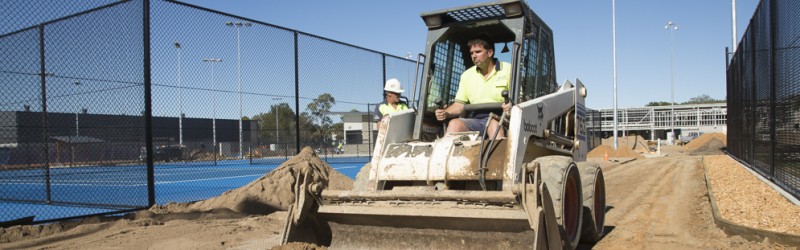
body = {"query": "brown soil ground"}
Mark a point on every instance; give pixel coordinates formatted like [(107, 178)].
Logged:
[(662, 203), (652, 203)]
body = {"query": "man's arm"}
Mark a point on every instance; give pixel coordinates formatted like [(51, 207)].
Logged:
[(452, 111), (377, 112)]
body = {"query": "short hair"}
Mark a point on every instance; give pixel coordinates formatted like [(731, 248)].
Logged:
[(483, 40)]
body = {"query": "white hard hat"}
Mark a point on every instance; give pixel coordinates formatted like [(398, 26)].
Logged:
[(393, 85)]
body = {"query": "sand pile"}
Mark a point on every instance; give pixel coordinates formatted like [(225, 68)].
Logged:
[(273, 191), (621, 152), (707, 144), (632, 142), (705, 139)]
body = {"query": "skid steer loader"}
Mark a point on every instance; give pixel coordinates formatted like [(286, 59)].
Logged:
[(425, 188)]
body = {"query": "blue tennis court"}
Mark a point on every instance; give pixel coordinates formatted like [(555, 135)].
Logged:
[(77, 191)]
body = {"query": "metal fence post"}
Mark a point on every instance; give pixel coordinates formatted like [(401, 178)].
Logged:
[(297, 92), (148, 109), (369, 127), (45, 135), (772, 82)]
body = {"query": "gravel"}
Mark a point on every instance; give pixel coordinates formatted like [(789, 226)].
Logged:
[(744, 199)]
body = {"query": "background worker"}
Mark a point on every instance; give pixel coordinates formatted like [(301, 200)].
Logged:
[(392, 91), (482, 83)]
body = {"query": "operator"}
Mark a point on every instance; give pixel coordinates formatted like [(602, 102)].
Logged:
[(482, 83), (391, 103)]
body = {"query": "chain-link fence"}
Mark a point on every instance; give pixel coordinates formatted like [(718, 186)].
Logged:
[(113, 106), (103, 100), (764, 94)]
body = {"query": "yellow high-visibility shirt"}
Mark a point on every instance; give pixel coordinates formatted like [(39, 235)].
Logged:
[(385, 108), (474, 89)]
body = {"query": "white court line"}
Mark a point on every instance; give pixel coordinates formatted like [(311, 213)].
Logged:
[(206, 179), (219, 178), (82, 184), (95, 183), (125, 185), (179, 172), (347, 167)]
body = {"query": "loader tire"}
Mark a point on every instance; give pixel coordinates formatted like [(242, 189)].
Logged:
[(362, 178), (563, 180), (594, 201)]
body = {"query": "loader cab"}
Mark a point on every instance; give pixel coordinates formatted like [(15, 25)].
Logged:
[(521, 38)]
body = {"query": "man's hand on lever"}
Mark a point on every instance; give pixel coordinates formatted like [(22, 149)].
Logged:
[(506, 104), (441, 114)]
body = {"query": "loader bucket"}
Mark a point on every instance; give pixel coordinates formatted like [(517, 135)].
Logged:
[(433, 219), (459, 229), (436, 219)]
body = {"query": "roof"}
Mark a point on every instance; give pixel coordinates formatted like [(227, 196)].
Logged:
[(348, 113), (76, 139)]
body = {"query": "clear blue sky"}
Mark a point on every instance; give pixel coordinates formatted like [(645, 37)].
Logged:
[(582, 31)]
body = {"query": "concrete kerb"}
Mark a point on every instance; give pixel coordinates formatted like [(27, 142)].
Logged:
[(749, 233)]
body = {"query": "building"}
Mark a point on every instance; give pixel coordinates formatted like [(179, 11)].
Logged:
[(654, 122), (26, 137)]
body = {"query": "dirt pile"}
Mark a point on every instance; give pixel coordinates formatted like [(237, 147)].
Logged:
[(273, 191), (621, 152), (632, 142), (707, 144)]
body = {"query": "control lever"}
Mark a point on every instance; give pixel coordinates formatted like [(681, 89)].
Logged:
[(504, 118), (484, 151), (440, 105)]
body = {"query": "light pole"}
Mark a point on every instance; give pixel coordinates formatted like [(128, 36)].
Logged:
[(238, 25), (213, 103), (733, 26), (614, 32), (672, 27), (180, 96), (78, 111), (408, 73), (277, 125)]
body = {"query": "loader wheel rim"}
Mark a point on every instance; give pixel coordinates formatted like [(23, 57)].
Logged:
[(571, 208), (599, 203)]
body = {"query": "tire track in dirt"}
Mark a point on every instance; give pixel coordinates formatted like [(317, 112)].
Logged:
[(661, 203), (632, 190)]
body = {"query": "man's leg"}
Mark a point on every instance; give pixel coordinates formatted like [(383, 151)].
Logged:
[(494, 125), (456, 125), (467, 124)]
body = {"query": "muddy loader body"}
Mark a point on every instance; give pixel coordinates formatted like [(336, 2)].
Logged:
[(425, 188)]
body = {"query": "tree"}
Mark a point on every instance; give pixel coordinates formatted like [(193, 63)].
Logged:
[(318, 112), (338, 129), (703, 99), (276, 125), (320, 107), (657, 104), (310, 133)]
